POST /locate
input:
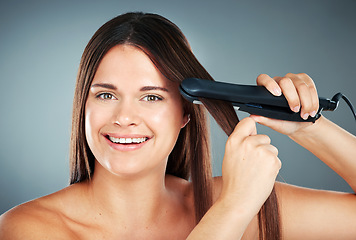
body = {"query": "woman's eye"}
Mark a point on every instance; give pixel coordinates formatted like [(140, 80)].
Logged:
[(152, 98), (106, 96)]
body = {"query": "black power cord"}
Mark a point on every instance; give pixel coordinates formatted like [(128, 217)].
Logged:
[(336, 99)]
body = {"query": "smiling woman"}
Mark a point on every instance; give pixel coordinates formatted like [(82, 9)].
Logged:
[(138, 108), (140, 158), (157, 39)]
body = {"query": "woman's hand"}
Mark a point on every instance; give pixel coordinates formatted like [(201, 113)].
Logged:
[(301, 94), (250, 167), (249, 170)]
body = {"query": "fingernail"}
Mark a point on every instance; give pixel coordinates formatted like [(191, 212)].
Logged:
[(277, 91), (305, 116), (296, 109), (313, 113)]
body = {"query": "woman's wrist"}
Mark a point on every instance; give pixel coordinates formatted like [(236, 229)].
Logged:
[(237, 208), (309, 132), (224, 220)]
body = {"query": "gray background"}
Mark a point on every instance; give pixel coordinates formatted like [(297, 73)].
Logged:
[(41, 43)]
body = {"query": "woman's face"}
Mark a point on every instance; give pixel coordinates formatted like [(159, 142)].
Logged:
[(133, 114)]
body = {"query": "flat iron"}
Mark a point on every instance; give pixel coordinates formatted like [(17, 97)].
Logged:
[(256, 100)]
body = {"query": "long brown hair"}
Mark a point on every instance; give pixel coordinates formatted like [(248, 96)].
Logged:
[(169, 50)]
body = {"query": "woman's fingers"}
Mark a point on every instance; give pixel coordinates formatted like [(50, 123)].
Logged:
[(245, 139), (306, 93), (269, 83), (298, 89), (290, 92), (246, 127), (313, 93), (250, 165)]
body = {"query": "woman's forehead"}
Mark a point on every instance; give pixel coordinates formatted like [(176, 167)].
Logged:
[(127, 63)]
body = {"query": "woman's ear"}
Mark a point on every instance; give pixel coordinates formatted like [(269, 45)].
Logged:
[(186, 119)]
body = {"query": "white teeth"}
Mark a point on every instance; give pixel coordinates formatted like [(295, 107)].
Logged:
[(127, 140)]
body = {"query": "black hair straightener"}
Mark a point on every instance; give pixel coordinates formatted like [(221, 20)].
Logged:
[(255, 100)]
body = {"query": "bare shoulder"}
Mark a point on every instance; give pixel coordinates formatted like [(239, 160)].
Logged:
[(27, 221), (294, 194), (311, 212), (182, 202), (217, 187), (295, 199), (180, 186), (37, 219)]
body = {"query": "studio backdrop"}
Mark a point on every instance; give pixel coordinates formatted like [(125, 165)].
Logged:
[(41, 43)]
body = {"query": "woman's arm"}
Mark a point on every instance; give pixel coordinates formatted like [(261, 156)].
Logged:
[(330, 143), (316, 214), (248, 174), (309, 213), (249, 170), (333, 145)]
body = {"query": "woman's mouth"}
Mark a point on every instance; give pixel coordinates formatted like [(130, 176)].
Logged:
[(127, 140), (126, 143)]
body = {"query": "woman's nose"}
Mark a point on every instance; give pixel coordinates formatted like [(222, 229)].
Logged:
[(126, 114)]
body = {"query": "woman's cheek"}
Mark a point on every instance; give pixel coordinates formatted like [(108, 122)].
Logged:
[(96, 117), (168, 116)]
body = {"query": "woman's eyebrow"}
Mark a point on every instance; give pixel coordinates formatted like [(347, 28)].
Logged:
[(104, 85), (149, 88), (145, 88)]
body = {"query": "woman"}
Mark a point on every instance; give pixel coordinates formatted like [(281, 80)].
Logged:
[(135, 144)]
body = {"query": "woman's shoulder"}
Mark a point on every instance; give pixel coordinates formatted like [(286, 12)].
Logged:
[(181, 187), (31, 220), (185, 187), (40, 218), (217, 187)]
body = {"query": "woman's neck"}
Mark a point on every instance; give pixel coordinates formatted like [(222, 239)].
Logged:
[(141, 199)]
